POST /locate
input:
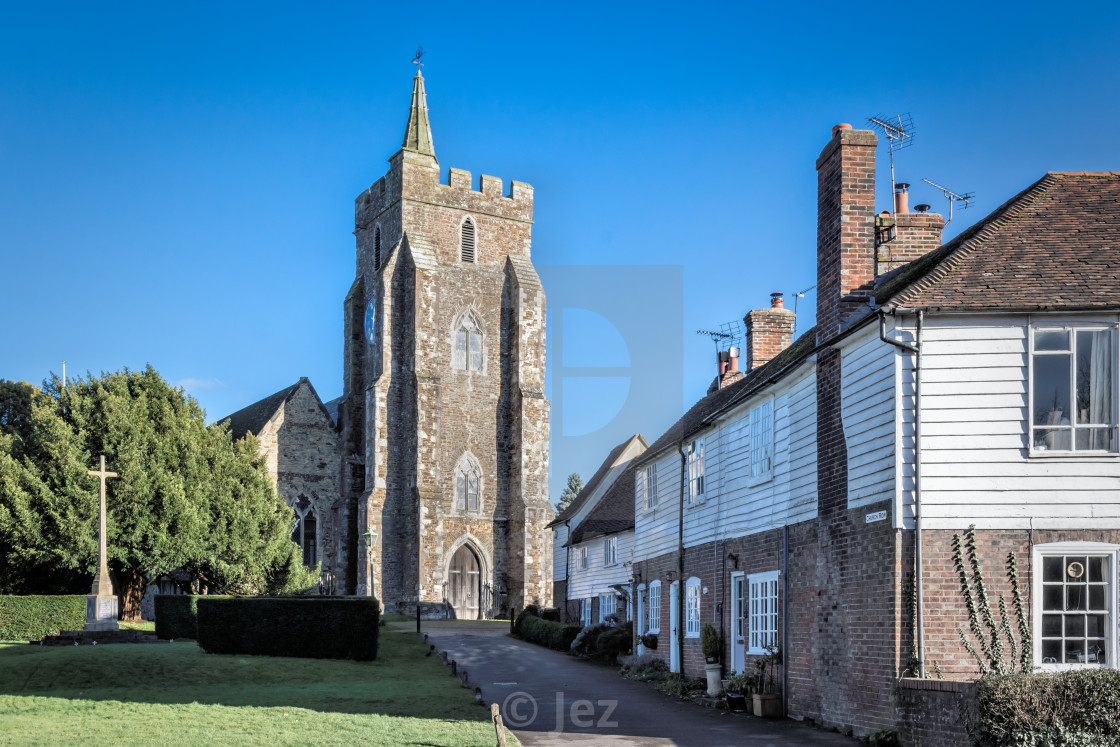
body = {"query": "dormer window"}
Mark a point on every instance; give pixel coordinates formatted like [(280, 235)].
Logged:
[(467, 240), (377, 247)]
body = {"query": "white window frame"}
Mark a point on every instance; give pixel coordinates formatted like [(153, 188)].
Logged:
[(603, 599), (654, 616), (761, 423), (581, 558), (695, 492), (640, 620), (763, 599), (692, 608), (651, 485), (585, 611), (1110, 626), (610, 551), (1071, 328)]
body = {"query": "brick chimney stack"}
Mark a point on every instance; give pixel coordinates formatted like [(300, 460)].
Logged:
[(845, 227), (727, 369), (769, 332), (915, 234)]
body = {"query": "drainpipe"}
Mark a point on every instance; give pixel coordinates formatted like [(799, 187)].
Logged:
[(680, 558), (567, 565), (785, 619), (916, 349)]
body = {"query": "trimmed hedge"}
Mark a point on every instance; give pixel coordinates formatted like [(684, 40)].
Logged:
[(177, 616), (310, 627), (614, 642), (530, 611), (554, 635), (1080, 707), (32, 618)]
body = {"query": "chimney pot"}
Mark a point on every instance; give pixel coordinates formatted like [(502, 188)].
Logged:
[(901, 197), (922, 208), (775, 300), (841, 126)]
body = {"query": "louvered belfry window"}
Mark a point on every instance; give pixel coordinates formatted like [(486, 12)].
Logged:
[(377, 248), (467, 240)]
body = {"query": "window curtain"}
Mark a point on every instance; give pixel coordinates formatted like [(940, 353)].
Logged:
[(1100, 389)]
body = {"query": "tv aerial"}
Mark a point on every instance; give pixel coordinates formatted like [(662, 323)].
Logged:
[(899, 131), (966, 198), (729, 334)]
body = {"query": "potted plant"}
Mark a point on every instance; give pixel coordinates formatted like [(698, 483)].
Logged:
[(739, 687), (649, 640), (767, 698), (711, 643)]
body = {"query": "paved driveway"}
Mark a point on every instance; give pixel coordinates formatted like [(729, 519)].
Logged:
[(550, 698)]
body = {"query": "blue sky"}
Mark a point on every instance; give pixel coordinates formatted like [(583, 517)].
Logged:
[(177, 182)]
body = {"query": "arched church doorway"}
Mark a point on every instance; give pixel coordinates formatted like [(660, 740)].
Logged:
[(464, 587)]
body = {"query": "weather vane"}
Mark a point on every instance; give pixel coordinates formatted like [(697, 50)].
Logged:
[(416, 60)]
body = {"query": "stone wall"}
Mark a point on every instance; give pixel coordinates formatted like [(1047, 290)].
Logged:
[(421, 416), (302, 456)]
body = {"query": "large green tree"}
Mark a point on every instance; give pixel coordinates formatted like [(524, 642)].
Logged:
[(571, 490), (186, 496)]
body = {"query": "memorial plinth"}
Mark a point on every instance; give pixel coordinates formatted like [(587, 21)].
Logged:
[(101, 602)]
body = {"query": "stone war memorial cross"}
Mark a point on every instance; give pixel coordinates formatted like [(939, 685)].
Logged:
[(101, 603)]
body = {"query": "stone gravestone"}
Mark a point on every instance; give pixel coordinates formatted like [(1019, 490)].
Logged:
[(101, 603)]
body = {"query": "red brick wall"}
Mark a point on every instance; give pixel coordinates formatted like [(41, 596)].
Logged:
[(845, 639), (945, 611), (769, 332), (930, 712), (916, 234), (845, 227)]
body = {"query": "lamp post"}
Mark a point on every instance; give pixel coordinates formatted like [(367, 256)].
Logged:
[(370, 537)]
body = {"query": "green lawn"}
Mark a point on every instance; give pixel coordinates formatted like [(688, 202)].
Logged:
[(176, 694), (148, 626)]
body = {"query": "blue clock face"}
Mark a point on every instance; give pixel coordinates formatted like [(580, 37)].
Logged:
[(371, 312)]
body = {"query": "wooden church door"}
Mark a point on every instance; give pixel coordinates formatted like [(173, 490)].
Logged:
[(465, 586)]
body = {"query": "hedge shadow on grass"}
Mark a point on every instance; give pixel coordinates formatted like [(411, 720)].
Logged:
[(403, 681)]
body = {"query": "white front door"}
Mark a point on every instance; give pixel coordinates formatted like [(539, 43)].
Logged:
[(674, 627), (738, 622)]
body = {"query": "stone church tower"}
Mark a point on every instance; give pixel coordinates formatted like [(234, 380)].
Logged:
[(444, 422)]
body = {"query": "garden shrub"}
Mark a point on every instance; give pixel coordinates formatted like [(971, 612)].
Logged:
[(531, 611), (31, 618), (177, 616), (554, 635), (645, 668), (1073, 708), (614, 642), (584, 643), (311, 627)]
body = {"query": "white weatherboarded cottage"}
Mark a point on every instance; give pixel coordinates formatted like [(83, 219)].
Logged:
[(973, 383)]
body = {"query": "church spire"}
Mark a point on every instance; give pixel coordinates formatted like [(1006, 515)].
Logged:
[(418, 131)]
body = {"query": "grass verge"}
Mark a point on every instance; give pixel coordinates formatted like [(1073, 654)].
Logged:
[(151, 694)]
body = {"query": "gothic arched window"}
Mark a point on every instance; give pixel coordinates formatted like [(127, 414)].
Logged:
[(377, 247), (468, 479), (304, 532), (467, 240), (467, 353)]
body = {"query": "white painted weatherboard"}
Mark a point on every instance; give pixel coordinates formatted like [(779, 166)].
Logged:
[(975, 462)]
